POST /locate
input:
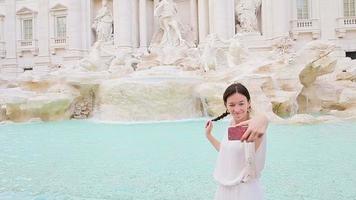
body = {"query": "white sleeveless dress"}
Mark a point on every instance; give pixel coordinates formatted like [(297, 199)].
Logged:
[(238, 170)]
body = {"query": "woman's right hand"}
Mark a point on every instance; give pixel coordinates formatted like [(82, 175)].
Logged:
[(208, 128)]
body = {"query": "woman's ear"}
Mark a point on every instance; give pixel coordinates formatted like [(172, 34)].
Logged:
[(249, 107)]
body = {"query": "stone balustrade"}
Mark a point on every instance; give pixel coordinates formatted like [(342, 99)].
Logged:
[(345, 24), (59, 40), (27, 45), (306, 26), (57, 43)]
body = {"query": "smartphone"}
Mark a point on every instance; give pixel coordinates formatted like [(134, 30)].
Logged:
[(236, 132)]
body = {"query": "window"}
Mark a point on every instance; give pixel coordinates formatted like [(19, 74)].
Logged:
[(302, 9), (61, 29), (58, 28), (26, 24), (351, 54), (349, 8), (27, 31)]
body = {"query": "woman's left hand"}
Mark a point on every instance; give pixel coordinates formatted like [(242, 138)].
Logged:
[(257, 126)]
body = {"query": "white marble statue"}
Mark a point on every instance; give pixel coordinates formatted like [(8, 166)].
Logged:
[(211, 53), (125, 62), (236, 52), (169, 33), (103, 23), (92, 62), (246, 15)]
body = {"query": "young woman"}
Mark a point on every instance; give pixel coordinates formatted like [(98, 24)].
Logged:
[(240, 162)]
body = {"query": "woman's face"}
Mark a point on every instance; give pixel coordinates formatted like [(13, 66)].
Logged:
[(238, 105)]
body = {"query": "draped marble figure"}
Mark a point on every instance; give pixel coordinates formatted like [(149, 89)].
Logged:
[(103, 23), (169, 33), (246, 15)]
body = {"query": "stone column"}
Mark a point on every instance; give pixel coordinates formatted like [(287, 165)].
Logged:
[(135, 24), (294, 10), (143, 24), (115, 12), (10, 63), (230, 21), (203, 17), (10, 29), (155, 19), (219, 18), (221, 15), (315, 8), (327, 24), (86, 24), (211, 16), (281, 17), (194, 18), (42, 30), (75, 33), (123, 23), (340, 6), (326, 27), (267, 18), (2, 27)]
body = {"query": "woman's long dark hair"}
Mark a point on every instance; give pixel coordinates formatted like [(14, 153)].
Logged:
[(233, 89)]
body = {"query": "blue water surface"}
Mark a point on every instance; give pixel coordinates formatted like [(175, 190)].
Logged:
[(83, 160)]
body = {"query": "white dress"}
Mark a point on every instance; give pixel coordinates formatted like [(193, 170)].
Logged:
[(238, 170)]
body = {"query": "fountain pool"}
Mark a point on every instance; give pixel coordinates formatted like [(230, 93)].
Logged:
[(80, 160)]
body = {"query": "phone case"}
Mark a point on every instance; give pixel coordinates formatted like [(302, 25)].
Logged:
[(236, 132)]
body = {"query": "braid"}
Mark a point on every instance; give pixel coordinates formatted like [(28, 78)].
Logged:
[(221, 116)]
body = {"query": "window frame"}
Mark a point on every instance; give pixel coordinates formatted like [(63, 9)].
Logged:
[(304, 10), (348, 9), (58, 41), (56, 27), (23, 28), (22, 15)]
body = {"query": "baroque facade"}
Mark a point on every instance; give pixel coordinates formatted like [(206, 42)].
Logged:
[(41, 34)]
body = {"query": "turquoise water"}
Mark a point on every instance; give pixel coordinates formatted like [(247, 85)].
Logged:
[(85, 160)]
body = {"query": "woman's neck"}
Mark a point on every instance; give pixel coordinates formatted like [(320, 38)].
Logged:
[(241, 120)]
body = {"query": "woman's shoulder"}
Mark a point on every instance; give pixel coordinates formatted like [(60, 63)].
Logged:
[(231, 122)]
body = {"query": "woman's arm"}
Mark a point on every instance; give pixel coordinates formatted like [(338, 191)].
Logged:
[(210, 137), (257, 126), (213, 141)]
